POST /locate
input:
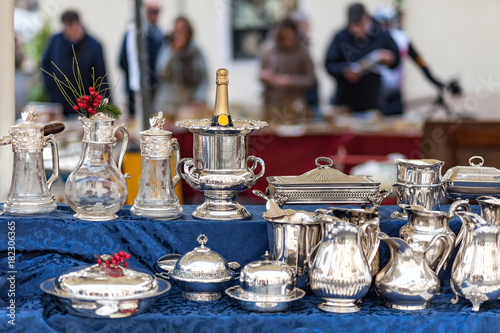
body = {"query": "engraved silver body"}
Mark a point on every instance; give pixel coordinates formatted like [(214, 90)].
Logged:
[(407, 282), (96, 190), (30, 191), (105, 292), (340, 269), (156, 197), (423, 225), (221, 167), (475, 273), (418, 183)]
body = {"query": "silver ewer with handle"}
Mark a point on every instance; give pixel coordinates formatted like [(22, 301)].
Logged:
[(156, 197), (30, 191)]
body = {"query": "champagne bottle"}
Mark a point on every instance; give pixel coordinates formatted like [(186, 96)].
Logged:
[(221, 116)]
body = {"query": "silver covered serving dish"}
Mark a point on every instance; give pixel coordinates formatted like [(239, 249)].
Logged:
[(323, 185), (99, 291), (266, 286), (470, 182), (202, 274)]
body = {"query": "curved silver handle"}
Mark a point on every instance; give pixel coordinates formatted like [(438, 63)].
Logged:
[(124, 131), (449, 246), (370, 230), (457, 204), (255, 161), (55, 159), (177, 156), (187, 168)]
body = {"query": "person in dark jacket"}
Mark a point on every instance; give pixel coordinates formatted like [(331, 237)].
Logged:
[(59, 52), (154, 40), (354, 58)]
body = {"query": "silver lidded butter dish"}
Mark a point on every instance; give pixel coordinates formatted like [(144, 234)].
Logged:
[(105, 290), (470, 182), (323, 185), (266, 286), (202, 274)]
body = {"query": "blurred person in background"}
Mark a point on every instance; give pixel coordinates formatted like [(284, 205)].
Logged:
[(392, 79), (154, 40), (287, 74), (354, 58), (181, 70), (59, 52)]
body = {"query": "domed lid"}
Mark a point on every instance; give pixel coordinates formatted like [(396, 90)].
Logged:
[(267, 277), (474, 172), (202, 264), (156, 129), (106, 280)]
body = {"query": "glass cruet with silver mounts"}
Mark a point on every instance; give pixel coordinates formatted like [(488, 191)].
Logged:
[(156, 197)]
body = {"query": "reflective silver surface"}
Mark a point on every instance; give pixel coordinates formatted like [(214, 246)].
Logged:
[(221, 167), (266, 286), (202, 274), (407, 282), (292, 235), (30, 191), (322, 185), (475, 273), (156, 197), (490, 209), (469, 182), (418, 183), (423, 225), (96, 307), (358, 217), (340, 270)]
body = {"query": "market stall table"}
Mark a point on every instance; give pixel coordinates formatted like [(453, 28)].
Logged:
[(47, 245)]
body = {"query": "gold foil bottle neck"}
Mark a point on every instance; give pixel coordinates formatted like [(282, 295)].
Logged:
[(222, 76)]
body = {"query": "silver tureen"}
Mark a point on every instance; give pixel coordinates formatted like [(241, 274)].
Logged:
[(102, 291), (202, 274), (266, 286)]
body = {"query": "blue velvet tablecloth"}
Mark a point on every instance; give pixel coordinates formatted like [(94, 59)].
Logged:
[(47, 245)]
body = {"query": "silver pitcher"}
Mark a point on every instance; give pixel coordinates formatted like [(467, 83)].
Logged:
[(475, 274), (423, 225), (407, 282), (358, 217), (418, 183), (490, 209), (30, 191), (156, 197), (339, 266), (221, 167), (292, 236)]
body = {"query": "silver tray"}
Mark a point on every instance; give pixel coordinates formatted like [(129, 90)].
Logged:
[(259, 303), (99, 307), (322, 185)]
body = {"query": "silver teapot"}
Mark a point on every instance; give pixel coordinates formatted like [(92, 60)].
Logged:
[(424, 224), (475, 273), (340, 265), (408, 282), (30, 191)]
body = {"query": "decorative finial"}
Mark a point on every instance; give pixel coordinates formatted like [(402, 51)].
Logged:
[(157, 121), (202, 239), (29, 116)]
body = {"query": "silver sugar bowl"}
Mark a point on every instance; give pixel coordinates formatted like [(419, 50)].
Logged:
[(30, 191), (156, 197), (266, 286), (202, 274)]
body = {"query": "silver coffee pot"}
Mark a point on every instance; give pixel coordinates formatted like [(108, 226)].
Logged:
[(156, 197), (408, 282), (424, 224), (30, 191), (475, 274), (339, 265)]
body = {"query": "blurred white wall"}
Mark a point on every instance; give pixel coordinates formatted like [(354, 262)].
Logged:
[(458, 38)]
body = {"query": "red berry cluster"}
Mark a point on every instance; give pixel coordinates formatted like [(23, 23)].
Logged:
[(89, 102), (116, 259)]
